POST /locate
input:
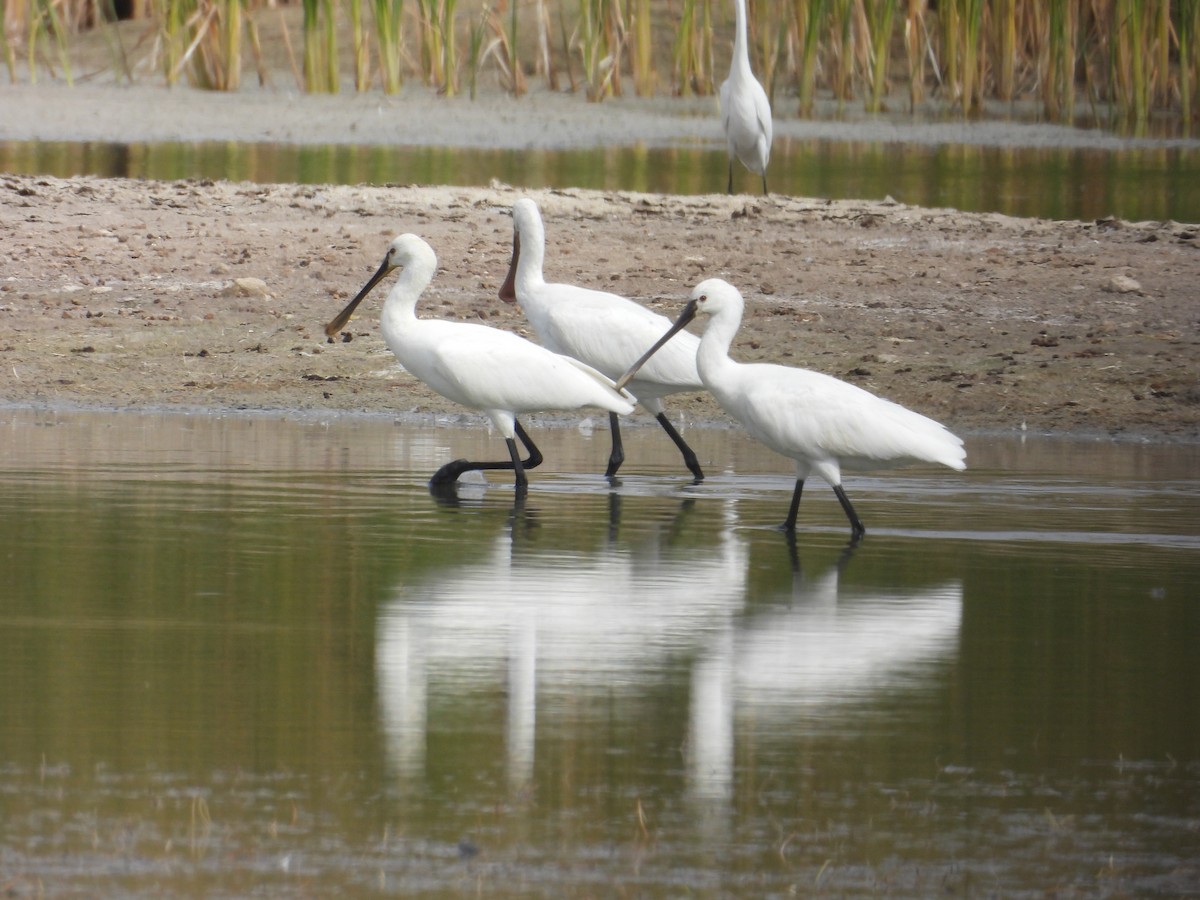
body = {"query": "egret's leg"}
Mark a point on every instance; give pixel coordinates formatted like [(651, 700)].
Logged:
[(729, 189), (617, 456), (689, 456), (764, 183), (790, 525), (856, 526)]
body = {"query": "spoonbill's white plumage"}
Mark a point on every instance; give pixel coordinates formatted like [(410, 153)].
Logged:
[(818, 421), (745, 109), (485, 369), (603, 330)]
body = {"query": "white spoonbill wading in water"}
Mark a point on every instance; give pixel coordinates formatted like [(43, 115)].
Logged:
[(818, 421), (745, 109), (496, 372), (604, 330)]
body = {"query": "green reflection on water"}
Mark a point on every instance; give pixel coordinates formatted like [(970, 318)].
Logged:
[(1142, 184), (204, 607)]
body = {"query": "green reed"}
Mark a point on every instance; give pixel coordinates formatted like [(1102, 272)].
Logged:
[(641, 57), (1189, 57), (475, 39), (45, 24), (599, 36), (516, 76), (361, 49), (841, 45), (321, 71), (1004, 26), (388, 16), (1129, 59), (879, 15), (439, 58), (1058, 59), (973, 57), (808, 20), (691, 51)]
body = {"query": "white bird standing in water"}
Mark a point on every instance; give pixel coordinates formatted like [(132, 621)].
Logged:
[(818, 421), (603, 330), (496, 372), (745, 109)]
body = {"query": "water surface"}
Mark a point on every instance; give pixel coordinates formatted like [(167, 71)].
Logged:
[(252, 654), (1145, 183)]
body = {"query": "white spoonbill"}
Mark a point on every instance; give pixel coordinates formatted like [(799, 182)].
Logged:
[(496, 372), (818, 421), (745, 109), (603, 330)]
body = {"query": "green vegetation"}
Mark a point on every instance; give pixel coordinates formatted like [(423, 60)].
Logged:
[(1135, 58)]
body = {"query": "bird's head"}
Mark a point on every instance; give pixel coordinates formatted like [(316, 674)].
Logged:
[(526, 220), (713, 295), (407, 251)]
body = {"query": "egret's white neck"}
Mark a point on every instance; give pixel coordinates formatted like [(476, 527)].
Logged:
[(741, 46)]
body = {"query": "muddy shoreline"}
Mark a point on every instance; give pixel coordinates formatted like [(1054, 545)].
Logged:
[(213, 295)]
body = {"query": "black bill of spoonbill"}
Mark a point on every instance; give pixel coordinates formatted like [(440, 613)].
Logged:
[(495, 372), (603, 330), (816, 420), (745, 108)]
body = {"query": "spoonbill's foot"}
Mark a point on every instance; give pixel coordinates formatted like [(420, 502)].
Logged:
[(450, 472)]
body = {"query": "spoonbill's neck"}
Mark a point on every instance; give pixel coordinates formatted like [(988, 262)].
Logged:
[(532, 256), (716, 340), (400, 308)]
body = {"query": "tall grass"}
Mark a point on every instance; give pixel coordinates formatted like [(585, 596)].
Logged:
[(1004, 27), (691, 50), (599, 39), (47, 26), (808, 19), (388, 20), (321, 71), (1057, 59), (1137, 56), (879, 16), (439, 55), (641, 57), (1189, 57), (916, 48)]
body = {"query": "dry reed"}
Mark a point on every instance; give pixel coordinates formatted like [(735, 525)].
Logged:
[(1138, 57)]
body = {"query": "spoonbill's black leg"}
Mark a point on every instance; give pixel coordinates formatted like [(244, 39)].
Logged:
[(617, 456), (452, 471), (689, 457), (790, 525), (856, 525)]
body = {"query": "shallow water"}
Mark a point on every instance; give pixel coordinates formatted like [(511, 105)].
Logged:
[(252, 654), (1151, 183)]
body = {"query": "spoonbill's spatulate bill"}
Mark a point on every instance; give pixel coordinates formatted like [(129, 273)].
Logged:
[(485, 369), (745, 109), (603, 330), (818, 421)]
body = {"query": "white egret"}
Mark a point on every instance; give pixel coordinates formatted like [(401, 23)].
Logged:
[(745, 109), (496, 372), (818, 421), (603, 330)]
